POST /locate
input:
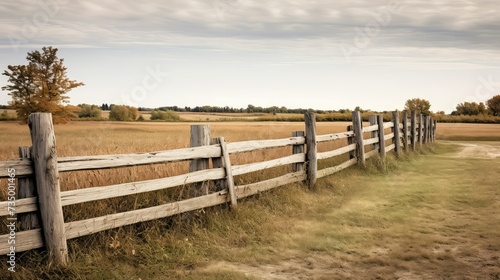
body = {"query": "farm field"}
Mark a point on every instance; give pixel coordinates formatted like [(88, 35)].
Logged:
[(434, 215)]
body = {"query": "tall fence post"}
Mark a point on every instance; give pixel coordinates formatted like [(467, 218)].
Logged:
[(298, 149), (397, 135), (26, 188), (381, 140), (311, 153), (47, 185), (200, 136), (373, 121), (405, 130), (357, 126), (350, 140), (413, 129)]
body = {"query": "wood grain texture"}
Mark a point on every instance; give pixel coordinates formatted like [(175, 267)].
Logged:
[(25, 240), (47, 186), (23, 167)]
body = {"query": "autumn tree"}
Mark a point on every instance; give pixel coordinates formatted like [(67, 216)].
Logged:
[(40, 86), (494, 105), (420, 105)]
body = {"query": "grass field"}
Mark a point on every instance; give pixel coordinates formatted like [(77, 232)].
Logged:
[(433, 215)]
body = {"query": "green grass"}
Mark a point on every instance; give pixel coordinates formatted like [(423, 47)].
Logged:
[(424, 216)]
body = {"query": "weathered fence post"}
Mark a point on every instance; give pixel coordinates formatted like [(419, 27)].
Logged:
[(426, 129), (357, 127), (434, 131), (420, 128), (405, 130), (413, 129), (200, 136), (397, 136), (373, 121), (311, 152), (27, 189), (431, 124), (47, 185), (229, 173), (350, 140), (380, 132), (298, 149)]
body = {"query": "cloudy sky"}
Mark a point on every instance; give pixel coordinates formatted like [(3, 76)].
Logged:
[(302, 53)]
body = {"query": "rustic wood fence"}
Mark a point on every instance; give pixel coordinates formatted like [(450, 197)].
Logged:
[(37, 172)]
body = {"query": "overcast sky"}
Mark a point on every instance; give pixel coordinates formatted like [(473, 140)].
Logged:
[(303, 53)]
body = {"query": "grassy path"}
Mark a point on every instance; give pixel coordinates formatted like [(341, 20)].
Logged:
[(434, 217)]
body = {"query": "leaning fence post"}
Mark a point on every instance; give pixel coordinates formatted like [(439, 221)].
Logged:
[(219, 185), (298, 149), (200, 136), (405, 130), (27, 189), (381, 140), (47, 185), (413, 129), (311, 152), (397, 137), (229, 173), (358, 137)]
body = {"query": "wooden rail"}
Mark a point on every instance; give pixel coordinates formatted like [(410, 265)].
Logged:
[(41, 193)]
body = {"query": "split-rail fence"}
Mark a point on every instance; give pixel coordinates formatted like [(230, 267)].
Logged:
[(38, 190)]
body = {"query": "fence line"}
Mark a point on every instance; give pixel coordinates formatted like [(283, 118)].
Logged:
[(40, 200)]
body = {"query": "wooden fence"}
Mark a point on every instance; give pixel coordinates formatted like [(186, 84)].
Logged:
[(37, 172)]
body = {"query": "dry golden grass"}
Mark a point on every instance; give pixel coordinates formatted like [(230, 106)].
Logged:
[(468, 131), (426, 219)]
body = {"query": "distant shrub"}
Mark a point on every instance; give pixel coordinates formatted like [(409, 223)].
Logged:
[(89, 111), (169, 116), (123, 113)]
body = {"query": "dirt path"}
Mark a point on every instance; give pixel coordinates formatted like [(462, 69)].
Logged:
[(478, 150)]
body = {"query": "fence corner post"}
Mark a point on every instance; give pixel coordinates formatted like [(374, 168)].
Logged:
[(311, 152), (357, 127), (397, 135), (47, 185)]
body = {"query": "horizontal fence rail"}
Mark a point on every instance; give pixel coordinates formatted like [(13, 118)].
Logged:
[(413, 131)]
